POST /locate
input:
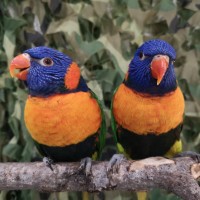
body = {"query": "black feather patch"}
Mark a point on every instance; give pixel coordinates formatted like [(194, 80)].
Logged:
[(70, 153), (143, 146)]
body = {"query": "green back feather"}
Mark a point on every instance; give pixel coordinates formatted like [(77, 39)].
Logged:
[(113, 122), (114, 129), (102, 135)]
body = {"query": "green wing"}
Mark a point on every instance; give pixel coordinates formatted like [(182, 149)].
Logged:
[(102, 135), (113, 122), (114, 128)]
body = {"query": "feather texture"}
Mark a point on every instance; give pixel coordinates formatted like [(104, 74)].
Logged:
[(145, 114), (63, 119)]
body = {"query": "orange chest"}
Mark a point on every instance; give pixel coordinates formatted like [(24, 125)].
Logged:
[(62, 120), (144, 114)]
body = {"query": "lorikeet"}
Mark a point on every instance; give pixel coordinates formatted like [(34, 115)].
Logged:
[(63, 116), (148, 107)]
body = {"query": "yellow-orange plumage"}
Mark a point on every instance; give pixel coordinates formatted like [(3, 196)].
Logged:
[(63, 119), (144, 114)]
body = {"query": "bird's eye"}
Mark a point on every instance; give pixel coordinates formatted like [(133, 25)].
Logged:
[(141, 56), (173, 61), (46, 62)]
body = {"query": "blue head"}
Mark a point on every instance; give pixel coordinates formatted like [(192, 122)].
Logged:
[(151, 71), (47, 72)]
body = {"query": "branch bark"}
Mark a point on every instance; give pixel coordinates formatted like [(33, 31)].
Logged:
[(178, 176)]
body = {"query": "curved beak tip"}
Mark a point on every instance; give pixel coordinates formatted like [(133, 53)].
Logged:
[(159, 67), (158, 81)]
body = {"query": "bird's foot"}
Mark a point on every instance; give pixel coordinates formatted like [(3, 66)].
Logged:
[(86, 165), (115, 162), (48, 162), (195, 156)]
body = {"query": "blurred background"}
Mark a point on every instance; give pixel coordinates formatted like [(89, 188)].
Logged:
[(101, 36)]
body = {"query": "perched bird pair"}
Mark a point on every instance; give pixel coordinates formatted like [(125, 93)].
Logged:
[(66, 120)]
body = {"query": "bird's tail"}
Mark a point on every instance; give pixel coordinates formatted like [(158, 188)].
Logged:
[(142, 195), (85, 196)]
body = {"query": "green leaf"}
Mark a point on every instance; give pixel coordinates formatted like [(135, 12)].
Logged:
[(145, 4), (2, 115), (88, 29), (17, 111), (9, 44), (27, 151), (3, 194), (12, 24), (114, 52), (63, 25), (133, 4), (161, 194), (12, 151), (2, 95), (89, 48), (166, 5), (186, 13), (3, 141), (14, 125), (9, 83), (109, 79), (10, 103), (21, 94)]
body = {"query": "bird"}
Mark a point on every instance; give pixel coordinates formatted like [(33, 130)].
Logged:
[(148, 106), (63, 116)]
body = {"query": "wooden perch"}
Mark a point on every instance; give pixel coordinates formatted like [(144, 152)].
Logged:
[(178, 176)]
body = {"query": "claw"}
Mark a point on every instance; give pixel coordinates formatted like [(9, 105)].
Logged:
[(86, 165), (115, 162), (48, 162), (195, 156)]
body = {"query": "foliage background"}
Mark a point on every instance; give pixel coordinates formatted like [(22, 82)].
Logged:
[(101, 36)]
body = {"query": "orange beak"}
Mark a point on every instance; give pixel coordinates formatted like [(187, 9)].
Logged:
[(19, 66), (159, 67)]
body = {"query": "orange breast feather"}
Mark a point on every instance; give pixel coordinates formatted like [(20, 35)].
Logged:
[(144, 114), (62, 120)]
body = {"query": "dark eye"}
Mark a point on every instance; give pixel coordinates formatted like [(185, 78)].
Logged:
[(141, 56), (46, 62)]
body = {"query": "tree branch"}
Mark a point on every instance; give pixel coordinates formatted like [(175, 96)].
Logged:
[(178, 176)]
